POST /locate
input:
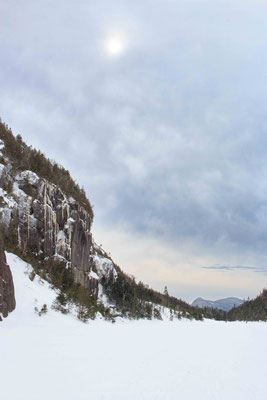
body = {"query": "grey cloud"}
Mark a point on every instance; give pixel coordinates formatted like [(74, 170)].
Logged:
[(168, 139), (231, 267), (261, 270)]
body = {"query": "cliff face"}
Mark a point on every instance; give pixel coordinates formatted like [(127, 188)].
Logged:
[(46, 219), (7, 295), (42, 220)]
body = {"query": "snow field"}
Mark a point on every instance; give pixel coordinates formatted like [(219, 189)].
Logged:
[(56, 357)]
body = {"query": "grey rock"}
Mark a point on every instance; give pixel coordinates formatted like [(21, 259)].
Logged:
[(48, 224), (7, 293)]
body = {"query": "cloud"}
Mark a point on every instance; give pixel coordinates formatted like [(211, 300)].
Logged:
[(231, 267), (169, 139), (261, 270), (155, 263)]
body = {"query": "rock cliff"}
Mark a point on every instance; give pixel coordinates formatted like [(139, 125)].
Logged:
[(7, 295), (46, 219), (41, 219)]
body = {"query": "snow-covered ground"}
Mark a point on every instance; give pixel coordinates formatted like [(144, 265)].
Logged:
[(56, 357)]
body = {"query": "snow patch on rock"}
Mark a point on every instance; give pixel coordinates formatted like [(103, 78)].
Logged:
[(105, 267), (93, 275), (30, 176)]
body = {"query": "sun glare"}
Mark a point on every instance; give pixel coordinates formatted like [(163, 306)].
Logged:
[(115, 45)]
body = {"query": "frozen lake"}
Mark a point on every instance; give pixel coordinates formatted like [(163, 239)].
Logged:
[(56, 357)]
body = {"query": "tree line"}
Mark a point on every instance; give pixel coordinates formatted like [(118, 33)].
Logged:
[(24, 157)]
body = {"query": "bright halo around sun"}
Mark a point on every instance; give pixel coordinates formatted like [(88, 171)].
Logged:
[(115, 45)]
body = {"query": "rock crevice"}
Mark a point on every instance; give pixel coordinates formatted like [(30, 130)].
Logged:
[(42, 220)]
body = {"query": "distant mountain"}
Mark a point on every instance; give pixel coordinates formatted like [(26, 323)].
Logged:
[(222, 304)]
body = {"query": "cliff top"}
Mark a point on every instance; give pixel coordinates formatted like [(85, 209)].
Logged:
[(24, 157)]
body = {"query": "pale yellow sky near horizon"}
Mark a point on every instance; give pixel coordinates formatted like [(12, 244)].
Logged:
[(156, 264)]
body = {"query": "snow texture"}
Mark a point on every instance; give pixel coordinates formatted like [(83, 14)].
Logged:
[(56, 356), (28, 175), (105, 266)]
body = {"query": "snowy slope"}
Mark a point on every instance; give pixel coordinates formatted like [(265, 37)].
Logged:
[(56, 357)]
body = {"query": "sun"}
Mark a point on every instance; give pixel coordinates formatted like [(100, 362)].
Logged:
[(115, 45)]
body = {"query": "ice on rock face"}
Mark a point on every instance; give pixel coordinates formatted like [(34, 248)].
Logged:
[(60, 243), (92, 274), (2, 167), (43, 217), (60, 236)]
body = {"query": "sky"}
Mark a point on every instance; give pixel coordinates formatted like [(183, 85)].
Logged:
[(158, 109)]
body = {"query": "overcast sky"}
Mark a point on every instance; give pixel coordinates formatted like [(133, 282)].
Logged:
[(159, 109)]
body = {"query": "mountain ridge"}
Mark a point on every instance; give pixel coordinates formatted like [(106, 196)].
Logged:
[(225, 304)]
